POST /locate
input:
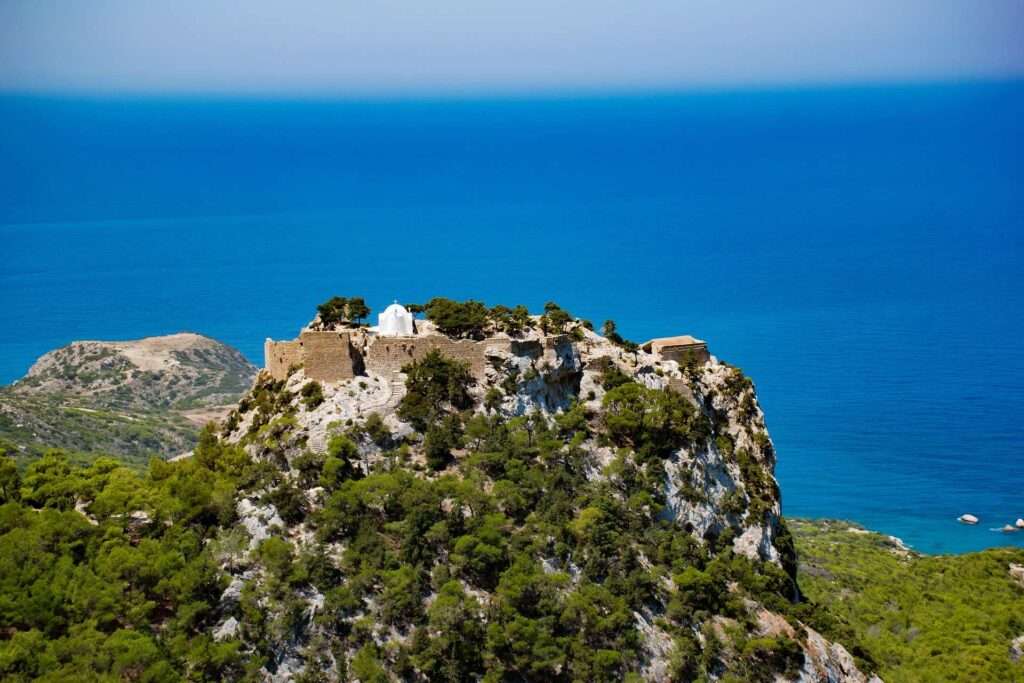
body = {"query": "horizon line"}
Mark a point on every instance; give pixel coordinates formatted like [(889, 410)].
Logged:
[(450, 94)]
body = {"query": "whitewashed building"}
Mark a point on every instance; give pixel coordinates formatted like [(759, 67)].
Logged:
[(395, 321)]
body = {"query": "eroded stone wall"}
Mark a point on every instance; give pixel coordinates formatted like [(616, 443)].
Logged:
[(335, 356), (388, 355), (328, 356), (279, 356)]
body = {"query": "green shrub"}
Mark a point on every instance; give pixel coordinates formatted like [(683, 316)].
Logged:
[(312, 394), (458, 319), (434, 385), (340, 310)]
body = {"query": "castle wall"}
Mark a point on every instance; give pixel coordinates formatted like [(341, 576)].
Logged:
[(388, 355), (331, 356), (278, 356), (327, 356)]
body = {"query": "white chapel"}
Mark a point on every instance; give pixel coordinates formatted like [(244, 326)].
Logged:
[(395, 321)]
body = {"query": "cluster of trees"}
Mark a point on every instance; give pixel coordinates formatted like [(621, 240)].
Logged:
[(437, 388), (126, 586), (339, 310), (474, 320), (468, 319), (652, 422), (943, 618), (458, 318)]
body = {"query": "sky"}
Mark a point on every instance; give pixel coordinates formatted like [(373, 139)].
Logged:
[(356, 47)]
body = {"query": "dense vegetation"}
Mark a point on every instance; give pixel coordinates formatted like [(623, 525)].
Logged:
[(474, 320), (128, 592), (476, 547), (31, 425), (920, 618), (509, 562)]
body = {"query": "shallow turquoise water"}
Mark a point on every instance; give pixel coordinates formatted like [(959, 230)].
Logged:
[(856, 251)]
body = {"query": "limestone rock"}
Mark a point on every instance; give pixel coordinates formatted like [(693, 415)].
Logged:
[(967, 518), (257, 520), (1017, 573), (701, 481), (826, 662), (1017, 648), (232, 594), (228, 629), (657, 647)]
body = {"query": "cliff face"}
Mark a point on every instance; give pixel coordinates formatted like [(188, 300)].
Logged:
[(610, 483), (133, 399)]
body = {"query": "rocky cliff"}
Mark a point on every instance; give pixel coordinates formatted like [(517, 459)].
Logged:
[(129, 398), (582, 511)]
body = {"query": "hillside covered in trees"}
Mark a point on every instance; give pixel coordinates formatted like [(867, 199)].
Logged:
[(127, 399), (582, 511)]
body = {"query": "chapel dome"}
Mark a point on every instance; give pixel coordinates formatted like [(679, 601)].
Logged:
[(395, 321)]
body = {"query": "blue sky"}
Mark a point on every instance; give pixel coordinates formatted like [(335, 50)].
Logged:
[(347, 47)]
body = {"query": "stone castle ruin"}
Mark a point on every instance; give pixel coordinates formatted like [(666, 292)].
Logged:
[(398, 339)]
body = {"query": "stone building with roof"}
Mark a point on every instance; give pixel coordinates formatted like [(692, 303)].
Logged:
[(683, 349)]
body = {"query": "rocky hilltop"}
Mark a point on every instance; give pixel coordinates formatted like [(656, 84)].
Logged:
[(180, 371), (571, 508), (130, 398)]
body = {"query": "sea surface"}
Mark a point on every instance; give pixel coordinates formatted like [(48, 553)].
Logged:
[(857, 251)]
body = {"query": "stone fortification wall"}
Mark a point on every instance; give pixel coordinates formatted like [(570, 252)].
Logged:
[(328, 356), (388, 355), (278, 356), (325, 356), (333, 356)]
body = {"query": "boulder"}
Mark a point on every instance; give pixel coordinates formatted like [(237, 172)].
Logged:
[(229, 629), (232, 594), (258, 520), (1008, 529), (1019, 523), (1017, 573), (1017, 648), (967, 518)]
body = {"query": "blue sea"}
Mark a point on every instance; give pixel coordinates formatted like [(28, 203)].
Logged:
[(857, 251)]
